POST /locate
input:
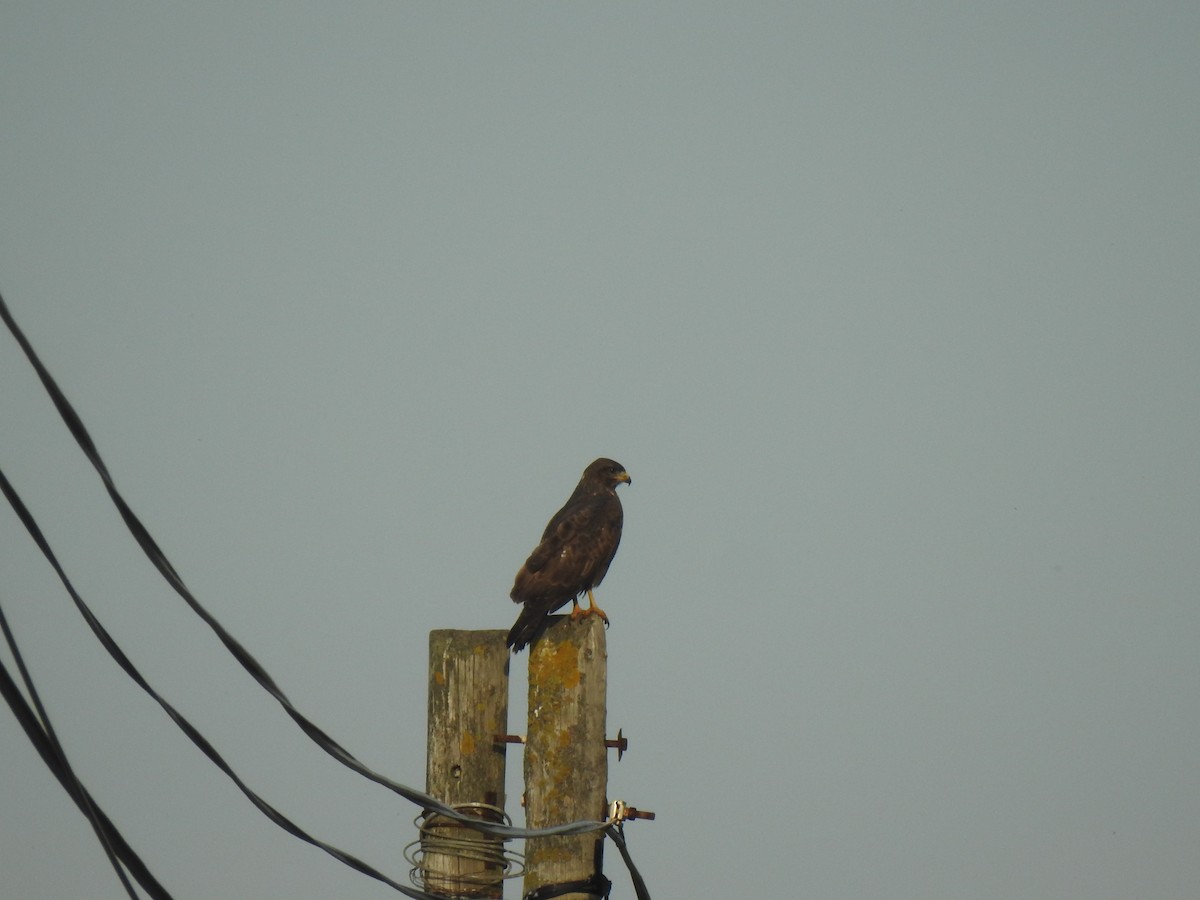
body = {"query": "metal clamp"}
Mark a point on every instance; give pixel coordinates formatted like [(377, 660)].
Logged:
[(619, 811)]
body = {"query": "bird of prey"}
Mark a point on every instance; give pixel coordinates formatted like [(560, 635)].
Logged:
[(573, 556)]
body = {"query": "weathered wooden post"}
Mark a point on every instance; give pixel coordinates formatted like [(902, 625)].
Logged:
[(468, 707), (566, 761)]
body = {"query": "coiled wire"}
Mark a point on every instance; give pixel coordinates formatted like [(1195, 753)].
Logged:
[(456, 860)]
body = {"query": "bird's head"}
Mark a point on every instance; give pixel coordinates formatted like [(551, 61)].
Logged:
[(607, 472)]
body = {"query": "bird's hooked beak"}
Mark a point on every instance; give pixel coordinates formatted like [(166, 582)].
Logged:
[(624, 476)]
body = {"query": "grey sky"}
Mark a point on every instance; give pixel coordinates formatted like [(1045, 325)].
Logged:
[(890, 309)]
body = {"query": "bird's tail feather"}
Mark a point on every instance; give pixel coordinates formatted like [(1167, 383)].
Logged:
[(526, 629)]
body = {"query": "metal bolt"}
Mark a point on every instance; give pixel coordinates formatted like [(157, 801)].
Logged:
[(621, 743), (619, 811), (635, 813)]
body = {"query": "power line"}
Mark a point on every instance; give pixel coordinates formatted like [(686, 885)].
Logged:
[(243, 656), (115, 651), (248, 662), (41, 734)]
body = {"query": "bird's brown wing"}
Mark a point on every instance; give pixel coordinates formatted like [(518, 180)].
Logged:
[(574, 554), (558, 534)]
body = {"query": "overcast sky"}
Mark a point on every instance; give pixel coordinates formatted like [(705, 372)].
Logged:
[(890, 310)]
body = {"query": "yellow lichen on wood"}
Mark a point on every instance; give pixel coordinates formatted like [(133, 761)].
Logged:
[(468, 704), (566, 764)]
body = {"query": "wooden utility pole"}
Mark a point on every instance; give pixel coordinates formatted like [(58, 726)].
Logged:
[(566, 761), (468, 707)]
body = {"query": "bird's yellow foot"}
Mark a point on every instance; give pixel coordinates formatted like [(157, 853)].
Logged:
[(578, 612)]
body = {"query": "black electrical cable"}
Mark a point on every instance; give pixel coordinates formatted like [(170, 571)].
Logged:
[(248, 662), (36, 723), (195, 736), (617, 833)]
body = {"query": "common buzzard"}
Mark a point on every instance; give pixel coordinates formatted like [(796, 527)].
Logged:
[(574, 553)]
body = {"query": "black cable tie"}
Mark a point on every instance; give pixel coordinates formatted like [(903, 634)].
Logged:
[(597, 886)]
